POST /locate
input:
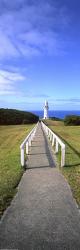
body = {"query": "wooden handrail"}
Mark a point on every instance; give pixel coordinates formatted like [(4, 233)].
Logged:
[(54, 138), (27, 143)]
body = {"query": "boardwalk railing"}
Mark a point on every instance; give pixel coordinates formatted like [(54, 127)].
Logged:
[(55, 140), (26, 143)]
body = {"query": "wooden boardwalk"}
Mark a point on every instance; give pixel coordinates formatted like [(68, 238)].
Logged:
[(43, 214)]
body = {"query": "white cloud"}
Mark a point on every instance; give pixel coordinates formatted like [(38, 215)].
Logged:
[(65, 102), (8, 82), (36, 42), (6, 47), (11, 76)]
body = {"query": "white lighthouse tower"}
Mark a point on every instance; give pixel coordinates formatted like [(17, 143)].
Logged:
[(46, 107)]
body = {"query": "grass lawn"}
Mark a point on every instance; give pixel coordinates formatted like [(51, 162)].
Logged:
[(71, 137), (10, 169)]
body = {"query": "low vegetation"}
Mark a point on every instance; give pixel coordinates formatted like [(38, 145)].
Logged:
[(13, 117), (10, 168), (71, 137), (73, 120)]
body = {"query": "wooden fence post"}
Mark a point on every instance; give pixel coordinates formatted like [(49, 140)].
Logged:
[(22, 157), (27, 147), (53, 141), (63, 156), (50, 136), (56, 149)]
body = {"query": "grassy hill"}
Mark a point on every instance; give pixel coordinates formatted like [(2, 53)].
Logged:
[(10, 168), (71, 137), (14, 117)]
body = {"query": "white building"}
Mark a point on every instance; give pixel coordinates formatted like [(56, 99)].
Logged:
[(46, 107)]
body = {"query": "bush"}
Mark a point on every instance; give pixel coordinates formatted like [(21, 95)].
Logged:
[(72, 120), (14, 117)]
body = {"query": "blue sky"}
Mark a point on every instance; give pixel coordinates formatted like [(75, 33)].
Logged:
[(40, 54)]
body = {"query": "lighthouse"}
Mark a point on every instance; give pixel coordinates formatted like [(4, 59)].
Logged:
[(46, 107)]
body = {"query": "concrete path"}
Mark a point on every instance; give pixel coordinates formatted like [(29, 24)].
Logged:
[(43, 214)]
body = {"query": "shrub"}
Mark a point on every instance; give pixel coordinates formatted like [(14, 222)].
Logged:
[(72, 120)]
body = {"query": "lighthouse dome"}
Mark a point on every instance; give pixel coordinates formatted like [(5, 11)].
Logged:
[(46, 103)]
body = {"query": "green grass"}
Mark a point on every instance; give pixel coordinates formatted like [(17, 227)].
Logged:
[(70, 135), (10, 169)]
